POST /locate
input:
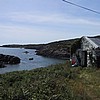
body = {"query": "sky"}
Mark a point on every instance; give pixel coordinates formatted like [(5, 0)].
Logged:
[(44, 21)]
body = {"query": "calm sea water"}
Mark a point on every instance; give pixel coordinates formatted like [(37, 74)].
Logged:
[(26, 64)]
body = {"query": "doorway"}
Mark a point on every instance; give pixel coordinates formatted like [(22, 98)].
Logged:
[(84, 59)]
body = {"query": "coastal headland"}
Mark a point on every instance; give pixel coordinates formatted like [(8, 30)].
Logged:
[(57, 49)]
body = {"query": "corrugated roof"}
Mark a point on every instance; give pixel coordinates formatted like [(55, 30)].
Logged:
[(91, 42), (96, 40)]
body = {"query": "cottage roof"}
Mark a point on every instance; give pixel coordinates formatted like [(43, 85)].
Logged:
[(91, 41), (96, 40)]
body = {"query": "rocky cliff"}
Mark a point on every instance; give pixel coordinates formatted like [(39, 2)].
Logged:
[(59, 49)]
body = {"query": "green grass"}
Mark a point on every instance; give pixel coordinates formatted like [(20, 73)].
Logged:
[(56, 82)]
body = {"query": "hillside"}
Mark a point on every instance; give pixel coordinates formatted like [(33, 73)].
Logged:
[(56, 82), (58, 49)]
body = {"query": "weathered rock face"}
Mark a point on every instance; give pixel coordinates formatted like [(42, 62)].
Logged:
[(49, 51), (7, 59), (58, 49)]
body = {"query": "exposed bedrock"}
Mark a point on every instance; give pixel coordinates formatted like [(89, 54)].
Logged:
[(61, 53), (8, 59)]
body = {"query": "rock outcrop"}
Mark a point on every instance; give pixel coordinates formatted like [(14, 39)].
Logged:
[(55, 54), (8, 59), (48, 51), (59, 49)]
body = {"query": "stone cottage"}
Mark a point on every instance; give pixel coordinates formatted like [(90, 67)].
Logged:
[(88, 51)]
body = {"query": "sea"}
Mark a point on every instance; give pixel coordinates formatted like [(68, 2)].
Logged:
[(26, 64)]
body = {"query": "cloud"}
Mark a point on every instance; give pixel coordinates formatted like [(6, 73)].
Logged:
[(20, 27), (17, 34), (41, 18), (52, 18)]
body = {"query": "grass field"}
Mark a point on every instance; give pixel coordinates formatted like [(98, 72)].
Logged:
[(55, 82)]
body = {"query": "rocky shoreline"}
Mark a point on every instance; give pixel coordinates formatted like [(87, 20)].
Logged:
[(47, 51), (58, 49)]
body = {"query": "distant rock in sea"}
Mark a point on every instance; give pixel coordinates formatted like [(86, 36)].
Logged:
[(26, 52), (8, 59)]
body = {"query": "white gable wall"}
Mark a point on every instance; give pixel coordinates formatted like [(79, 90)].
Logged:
[(88, 46)]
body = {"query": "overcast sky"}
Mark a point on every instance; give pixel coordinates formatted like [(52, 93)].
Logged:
[(43, 21)]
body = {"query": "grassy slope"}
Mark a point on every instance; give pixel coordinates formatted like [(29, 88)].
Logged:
[(56, 82)]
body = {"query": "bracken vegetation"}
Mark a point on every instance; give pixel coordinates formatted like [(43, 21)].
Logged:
[(56, 82)]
